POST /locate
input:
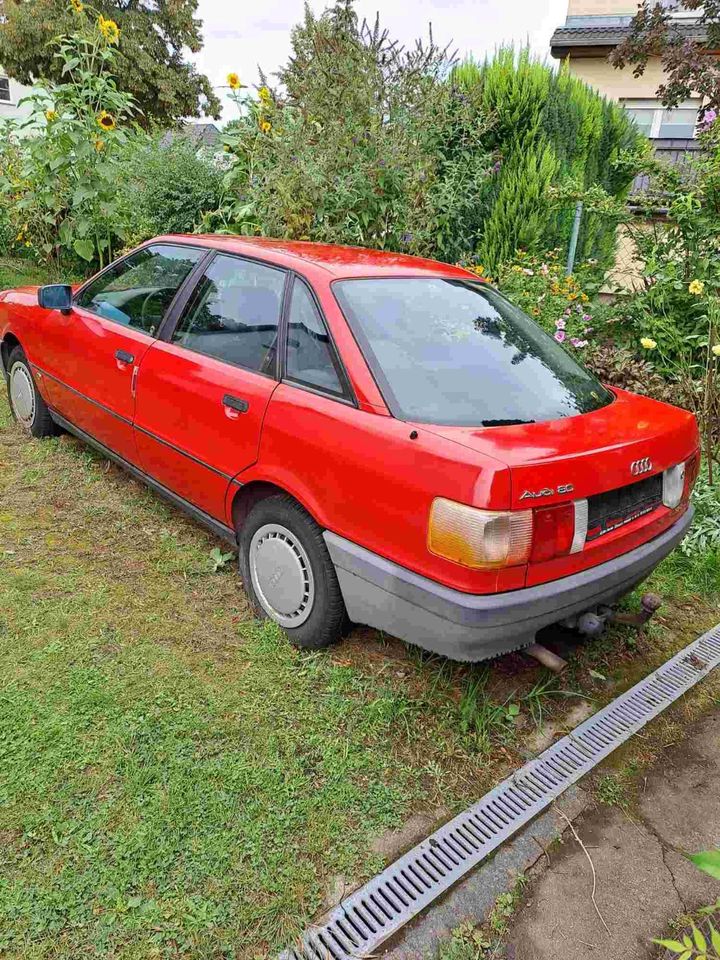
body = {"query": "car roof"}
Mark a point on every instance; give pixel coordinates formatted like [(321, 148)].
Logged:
[(337, 260)]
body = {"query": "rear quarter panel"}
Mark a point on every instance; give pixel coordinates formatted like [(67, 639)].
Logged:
[(360, 475)]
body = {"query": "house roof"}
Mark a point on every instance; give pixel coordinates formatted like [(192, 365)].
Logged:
[(203, 134), (607, 35)]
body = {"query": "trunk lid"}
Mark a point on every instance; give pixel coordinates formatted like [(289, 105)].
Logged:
[(587, 454)]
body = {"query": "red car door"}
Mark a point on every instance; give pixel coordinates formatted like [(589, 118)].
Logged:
[(202, 393), (91, 356)]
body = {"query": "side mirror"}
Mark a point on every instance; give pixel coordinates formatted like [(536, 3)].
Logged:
[(56, 296)]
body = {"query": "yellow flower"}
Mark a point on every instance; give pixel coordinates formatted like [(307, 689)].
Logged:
[(696, 288), (233, 81), (648, 344), (99, 145), (716, 349), (18, 238), (266, 126), (109, 29), (265, 95), (77, 6), (106, 120), (50, 115)]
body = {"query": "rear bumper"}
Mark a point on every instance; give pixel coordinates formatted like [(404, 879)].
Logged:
[(465, 626)]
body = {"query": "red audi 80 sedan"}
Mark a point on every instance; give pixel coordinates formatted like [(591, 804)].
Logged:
[(386, 439)]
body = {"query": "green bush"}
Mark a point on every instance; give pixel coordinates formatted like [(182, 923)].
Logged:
[(560, 304), (550, 128), (167, 187), (59, 165), (366, 145)]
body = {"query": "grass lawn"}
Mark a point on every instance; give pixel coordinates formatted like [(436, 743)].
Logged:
[(175, 779)]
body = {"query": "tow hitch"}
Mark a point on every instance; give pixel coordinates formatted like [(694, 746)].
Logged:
[(592, 624)]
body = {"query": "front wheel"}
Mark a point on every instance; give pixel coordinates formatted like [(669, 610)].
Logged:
[(26, 403), (288, 574)]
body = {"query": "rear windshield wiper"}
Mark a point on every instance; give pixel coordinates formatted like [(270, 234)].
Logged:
[(505, 423)]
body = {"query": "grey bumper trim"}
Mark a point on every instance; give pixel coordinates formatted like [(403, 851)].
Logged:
[(390, 597)]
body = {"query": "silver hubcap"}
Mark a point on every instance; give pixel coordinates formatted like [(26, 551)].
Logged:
[(22, 394), (281, 575)]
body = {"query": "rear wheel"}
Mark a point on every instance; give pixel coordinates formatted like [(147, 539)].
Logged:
[(26, 404), (288, 574)]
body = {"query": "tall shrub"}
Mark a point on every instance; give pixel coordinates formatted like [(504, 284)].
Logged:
[(551, 129), (59, 166), (364, 143)]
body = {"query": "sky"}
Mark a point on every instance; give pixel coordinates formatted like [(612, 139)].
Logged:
[(241, 36)]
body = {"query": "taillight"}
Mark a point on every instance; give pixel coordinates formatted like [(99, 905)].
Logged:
[(481, 539), (489, 539), (559, 531)]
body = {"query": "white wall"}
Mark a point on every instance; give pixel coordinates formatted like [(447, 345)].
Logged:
[(17, 92)]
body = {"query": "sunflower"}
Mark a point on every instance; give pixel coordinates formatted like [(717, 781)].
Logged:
[(266, 126), (109, 29), (99, 145), (233, 81), (265, 95), (50, 115), (106, 120), (77, 6)]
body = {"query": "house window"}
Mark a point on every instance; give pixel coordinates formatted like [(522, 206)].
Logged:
[(664, 123), (4, 90)]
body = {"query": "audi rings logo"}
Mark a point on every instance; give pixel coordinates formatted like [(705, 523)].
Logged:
[(638, 467)]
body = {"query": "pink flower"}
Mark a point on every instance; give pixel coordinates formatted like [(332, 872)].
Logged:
[(586, 318), (560, 336), (578, 344), (561, 323), (544, 269)]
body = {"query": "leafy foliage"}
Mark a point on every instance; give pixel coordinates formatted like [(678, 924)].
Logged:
[(152, 68), (704, 536), (60, 164), (559, 303), (549, 128), (675, 316), (708, 862), (366, 146), (165, 188), (689, 70)]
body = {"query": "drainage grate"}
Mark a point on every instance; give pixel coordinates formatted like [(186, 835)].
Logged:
[(375, 912)]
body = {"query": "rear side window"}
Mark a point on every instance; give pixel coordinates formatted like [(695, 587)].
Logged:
[(455, 352), (234, 314), (138, 291), (309, 358)]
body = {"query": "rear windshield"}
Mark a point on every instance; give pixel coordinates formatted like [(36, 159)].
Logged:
[(456, 352)]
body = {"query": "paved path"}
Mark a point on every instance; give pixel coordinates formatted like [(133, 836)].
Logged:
[(643, 880)]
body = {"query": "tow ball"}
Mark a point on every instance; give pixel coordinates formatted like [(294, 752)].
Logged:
[(592, 625)]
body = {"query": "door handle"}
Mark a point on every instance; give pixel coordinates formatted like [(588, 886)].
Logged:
[(235, 404), (122, 356)]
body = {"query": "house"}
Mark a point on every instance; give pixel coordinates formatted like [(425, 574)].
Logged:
[(206, 136), (592, 29), (11, 93)]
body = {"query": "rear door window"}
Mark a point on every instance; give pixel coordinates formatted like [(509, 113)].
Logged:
[(309, 357), (453, 351), (234, 314)]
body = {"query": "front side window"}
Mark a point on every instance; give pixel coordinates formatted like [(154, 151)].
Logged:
[(4, 90), (138, 291), (234, 314), (455, 352), (309, 357)]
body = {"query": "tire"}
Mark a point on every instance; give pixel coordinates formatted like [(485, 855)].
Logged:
[(27, 406), (288, 574)]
